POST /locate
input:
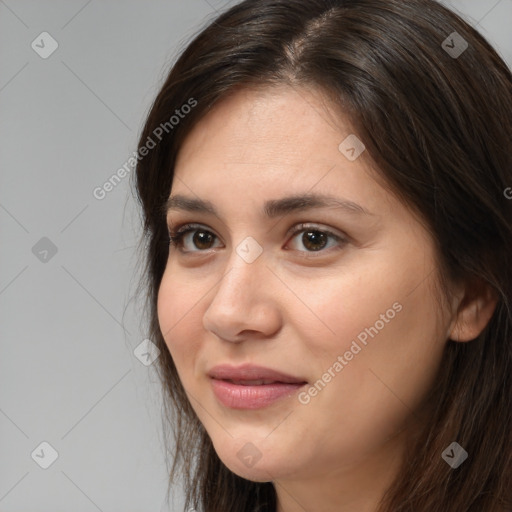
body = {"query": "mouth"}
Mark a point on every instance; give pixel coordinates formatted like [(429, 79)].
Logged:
[(249, 374), (252, 387), (260, 382)]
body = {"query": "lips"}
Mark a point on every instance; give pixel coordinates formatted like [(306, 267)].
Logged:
[(251, 387), (252, 375), (259, 382)]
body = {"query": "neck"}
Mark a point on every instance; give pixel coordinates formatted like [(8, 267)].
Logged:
[(355, 488)]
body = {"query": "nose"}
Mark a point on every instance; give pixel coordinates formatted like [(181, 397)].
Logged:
[(245, 303)]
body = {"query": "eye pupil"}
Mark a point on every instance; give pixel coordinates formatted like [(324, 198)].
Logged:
[(202, 237), (315, 237)]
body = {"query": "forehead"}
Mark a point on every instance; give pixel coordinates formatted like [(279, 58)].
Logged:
[(268, 143), (278, 125)]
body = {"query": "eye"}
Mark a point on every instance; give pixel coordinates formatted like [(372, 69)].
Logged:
[(200, 237), (314, 239)]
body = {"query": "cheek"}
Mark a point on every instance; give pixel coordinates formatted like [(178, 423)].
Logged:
[(389, 298), (342, 307), (177, 308), (390, 355), (389, 334)]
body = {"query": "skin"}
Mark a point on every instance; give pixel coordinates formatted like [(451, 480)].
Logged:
[(296, 310)]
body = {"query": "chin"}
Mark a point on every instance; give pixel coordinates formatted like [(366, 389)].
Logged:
[(244, 459), (253, 474)]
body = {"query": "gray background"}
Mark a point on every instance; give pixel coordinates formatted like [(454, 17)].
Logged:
[(68, 374)]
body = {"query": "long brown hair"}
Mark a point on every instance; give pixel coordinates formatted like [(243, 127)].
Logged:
[(434, 110)]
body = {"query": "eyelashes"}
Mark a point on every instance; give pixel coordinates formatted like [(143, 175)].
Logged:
[(312, 236), (176, 236)]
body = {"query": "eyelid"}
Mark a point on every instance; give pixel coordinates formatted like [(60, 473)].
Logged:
[(181, 228), (177, 233), (313, 226)]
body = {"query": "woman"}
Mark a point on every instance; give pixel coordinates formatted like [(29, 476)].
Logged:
[(328, 238)]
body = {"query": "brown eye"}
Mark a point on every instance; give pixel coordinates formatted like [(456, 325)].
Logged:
[(192, 238), (315, 239), (201, 239)]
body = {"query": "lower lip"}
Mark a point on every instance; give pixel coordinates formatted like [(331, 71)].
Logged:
[(237, 396)]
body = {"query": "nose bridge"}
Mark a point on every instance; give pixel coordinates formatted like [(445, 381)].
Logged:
[(240, 301), (245, 269)]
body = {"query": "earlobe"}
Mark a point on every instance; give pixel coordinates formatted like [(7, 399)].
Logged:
[(474, 313)]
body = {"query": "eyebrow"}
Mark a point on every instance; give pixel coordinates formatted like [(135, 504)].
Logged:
[(273, 207)]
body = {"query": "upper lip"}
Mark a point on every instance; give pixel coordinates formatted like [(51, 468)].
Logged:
[(252, 372)]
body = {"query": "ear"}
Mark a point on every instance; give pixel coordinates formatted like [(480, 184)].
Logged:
[(474, 312)]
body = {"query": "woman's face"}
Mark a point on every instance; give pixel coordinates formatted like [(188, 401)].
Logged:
[(344, 306)]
